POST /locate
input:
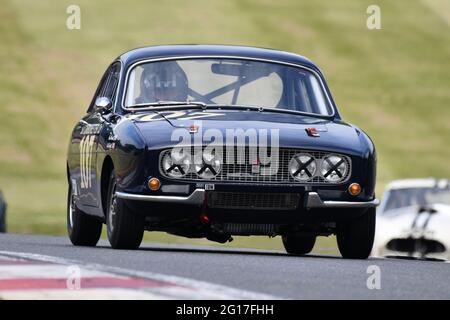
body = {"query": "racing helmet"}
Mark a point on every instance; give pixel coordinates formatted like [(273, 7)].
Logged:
[(163, 81)]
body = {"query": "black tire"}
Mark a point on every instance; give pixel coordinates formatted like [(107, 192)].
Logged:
[(298, 244), (125, 228), (2, 213), (83, 229), (355, 237)]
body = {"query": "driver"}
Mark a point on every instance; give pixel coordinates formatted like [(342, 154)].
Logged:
[(163, 81)]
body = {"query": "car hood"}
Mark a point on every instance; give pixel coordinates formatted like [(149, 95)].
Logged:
[(335, 136)]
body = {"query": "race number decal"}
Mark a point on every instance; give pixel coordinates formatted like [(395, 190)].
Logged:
[(86, 150)]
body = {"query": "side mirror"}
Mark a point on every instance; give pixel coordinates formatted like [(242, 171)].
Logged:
[(103, 104)]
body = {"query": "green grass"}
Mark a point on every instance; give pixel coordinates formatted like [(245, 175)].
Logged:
[(393, 82)]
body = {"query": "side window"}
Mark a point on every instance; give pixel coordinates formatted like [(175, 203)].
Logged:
[(108, 85)]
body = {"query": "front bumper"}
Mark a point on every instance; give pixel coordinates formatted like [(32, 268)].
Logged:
[(313, 200), (197, 197)]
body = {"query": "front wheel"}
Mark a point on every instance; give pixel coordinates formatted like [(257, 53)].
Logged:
[(298, 244), (125, 228), (355, 237), (83, 229)]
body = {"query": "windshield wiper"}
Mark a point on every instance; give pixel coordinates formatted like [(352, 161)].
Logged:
[(238, 106), (163, 103)]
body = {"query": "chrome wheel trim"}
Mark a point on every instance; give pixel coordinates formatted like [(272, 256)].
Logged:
[(112, 213)]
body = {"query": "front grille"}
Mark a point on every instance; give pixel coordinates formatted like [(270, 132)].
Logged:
[(249, 229), (253, 201), (415, 245), (244, 171)]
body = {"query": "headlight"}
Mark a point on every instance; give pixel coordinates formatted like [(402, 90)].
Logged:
[(302, 167), (208, 164), (176, 164), (334, 168)]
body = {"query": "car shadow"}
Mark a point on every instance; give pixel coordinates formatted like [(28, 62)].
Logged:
[(415, 258), (212, 250)]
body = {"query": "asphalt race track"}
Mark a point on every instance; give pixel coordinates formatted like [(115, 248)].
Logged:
[(229, 273)]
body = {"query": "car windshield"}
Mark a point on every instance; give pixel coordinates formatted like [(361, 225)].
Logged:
[(227, 82), (416, 197)]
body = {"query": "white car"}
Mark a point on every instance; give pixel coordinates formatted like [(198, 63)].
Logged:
[(413, 220)]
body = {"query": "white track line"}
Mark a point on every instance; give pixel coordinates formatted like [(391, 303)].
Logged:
[(51, 271), (85, 294), (202, 289)]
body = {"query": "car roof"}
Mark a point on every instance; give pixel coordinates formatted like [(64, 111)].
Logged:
[(418, 183), (165, 51)]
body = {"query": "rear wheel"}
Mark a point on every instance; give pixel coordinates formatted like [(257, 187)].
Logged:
[(83, 229), (355, 237), (125, 228), (298, 244)]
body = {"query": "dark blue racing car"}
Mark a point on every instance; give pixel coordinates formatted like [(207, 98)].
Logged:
[(2, 213), (215, 141)]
